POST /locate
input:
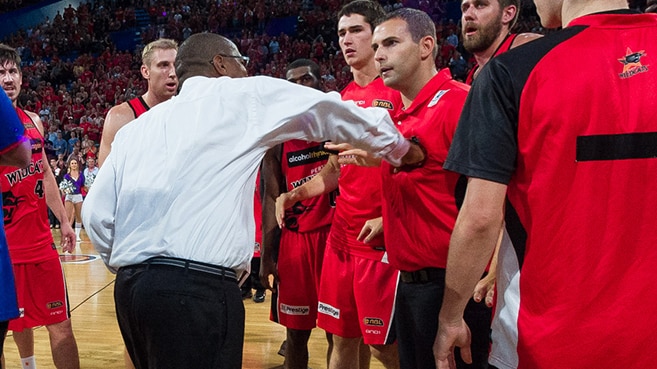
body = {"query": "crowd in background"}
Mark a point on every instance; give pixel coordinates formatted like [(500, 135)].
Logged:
[(74, 73)]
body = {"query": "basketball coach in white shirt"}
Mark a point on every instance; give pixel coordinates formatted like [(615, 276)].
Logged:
[(171, 211)]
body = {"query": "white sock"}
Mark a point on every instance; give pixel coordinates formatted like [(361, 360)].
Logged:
[(28, 362), (77, 231)]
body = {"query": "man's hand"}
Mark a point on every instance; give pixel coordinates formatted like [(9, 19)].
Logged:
[(350, 155), (449, 336), (414, 158), (268, 267), (284, 201), (68, 237), (485, 288), (371, 229)]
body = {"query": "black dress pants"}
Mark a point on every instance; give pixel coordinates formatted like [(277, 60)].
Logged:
[(172, 317)]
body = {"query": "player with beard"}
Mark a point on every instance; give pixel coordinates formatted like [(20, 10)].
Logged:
[(15, 150), (27, 194), (529, 123), (486, 30)]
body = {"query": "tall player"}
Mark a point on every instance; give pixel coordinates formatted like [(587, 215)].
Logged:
[(355, 258), (574, 153), (486, 32), (157, 68), (27, 194), (303, 239), (15, 150)]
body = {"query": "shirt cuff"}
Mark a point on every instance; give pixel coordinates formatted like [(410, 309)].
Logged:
[(400, 148)]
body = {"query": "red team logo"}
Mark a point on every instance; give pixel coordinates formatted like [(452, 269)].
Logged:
[(632, 63)]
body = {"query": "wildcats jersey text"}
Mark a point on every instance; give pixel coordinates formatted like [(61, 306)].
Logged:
[(24, 206)]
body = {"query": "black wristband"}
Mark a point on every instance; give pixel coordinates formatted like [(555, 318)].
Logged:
[(419, 164)]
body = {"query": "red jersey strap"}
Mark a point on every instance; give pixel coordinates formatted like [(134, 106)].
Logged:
[(27, 121), (138, 106), (504, 47)]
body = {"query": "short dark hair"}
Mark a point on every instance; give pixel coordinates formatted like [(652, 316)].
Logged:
[(195, 53), (372, 11), (314, 68), (9, 54), (418, 23)]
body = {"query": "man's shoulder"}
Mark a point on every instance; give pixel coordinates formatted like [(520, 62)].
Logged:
[(118, 116), (444, 83), (31, 114), (523, 38)]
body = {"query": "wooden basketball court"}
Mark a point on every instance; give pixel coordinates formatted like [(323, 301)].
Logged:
[(90, 290)]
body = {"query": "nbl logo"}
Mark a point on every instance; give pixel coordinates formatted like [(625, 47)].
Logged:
[(383, 104), (373, 322)]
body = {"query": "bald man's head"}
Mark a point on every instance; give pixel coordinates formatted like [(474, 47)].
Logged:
[(208, 55)]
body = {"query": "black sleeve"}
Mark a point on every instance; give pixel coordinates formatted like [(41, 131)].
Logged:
[(485, 142)]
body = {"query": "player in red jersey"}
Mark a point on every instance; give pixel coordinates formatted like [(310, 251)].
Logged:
[(157, 58), (486, 32), (355, 258), (15, 150), (157, 67), (300, 251), (578, 177), (419, 204), (27, 194)]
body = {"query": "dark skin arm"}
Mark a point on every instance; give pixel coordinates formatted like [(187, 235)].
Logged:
[(274, 184)]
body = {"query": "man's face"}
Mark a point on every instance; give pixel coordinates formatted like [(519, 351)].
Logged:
[(11, 78), (355, 38), (481, 24), (161, 74), (398, 57), (303, 76), (91, 163)]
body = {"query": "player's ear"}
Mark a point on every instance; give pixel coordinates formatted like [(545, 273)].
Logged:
[(509, 15), (145, 72), (427, 45)]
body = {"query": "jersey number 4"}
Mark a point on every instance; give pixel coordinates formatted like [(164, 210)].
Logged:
[(38, 189)]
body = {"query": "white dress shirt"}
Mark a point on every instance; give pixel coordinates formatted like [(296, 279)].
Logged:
[(179, 180)]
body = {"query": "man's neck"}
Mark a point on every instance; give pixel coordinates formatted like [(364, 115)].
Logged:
[(365, 75), (150, 99), (576, 8), (485, 56), (420, 79)]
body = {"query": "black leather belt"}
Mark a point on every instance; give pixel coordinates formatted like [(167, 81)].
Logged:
[(425, 275), (196, 266)]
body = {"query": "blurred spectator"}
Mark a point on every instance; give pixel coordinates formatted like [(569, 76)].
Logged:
[(458, 66), (73, 73), (59, 144)]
